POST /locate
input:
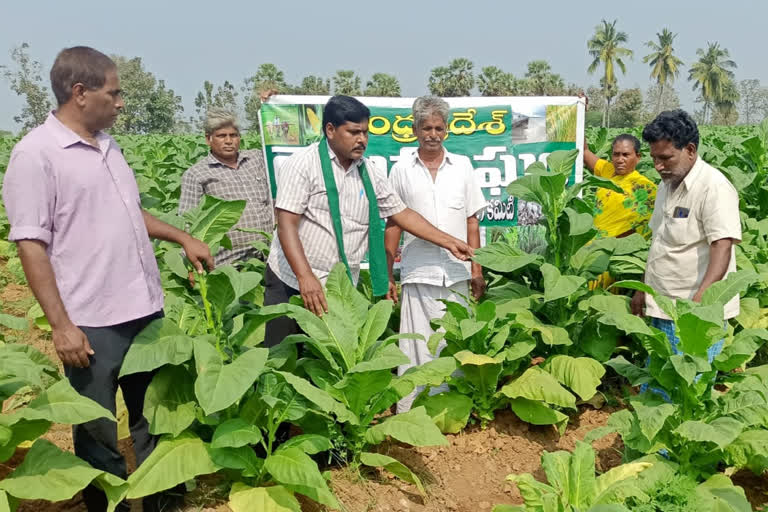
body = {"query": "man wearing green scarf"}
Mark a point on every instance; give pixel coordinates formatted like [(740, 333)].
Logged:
[(330, 207)]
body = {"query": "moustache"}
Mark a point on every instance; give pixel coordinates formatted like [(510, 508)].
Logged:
[(360, 148)]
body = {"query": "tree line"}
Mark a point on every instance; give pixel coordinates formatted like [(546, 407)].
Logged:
[(152, 107)]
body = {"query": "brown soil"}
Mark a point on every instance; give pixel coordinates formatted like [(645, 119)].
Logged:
[(469, 474)]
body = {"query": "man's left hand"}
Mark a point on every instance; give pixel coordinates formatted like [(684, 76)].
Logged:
[(698, 296), (460, 250), (198, 253), (477, 284)]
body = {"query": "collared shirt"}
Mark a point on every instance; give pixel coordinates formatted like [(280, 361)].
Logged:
[(446, 203), (301, 190), (83, 203), (249, 182), (702, 209)]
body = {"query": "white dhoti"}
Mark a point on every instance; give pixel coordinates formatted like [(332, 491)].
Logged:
[(419, 305)]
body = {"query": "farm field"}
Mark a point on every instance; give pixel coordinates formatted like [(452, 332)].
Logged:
[(548, 363)]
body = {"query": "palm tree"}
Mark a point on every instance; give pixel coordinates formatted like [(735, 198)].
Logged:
[(382, 84), (605, 48), (665, 66), (710, 75), (346, 82)]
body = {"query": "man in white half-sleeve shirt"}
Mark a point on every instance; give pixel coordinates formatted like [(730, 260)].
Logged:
[(442, 187)]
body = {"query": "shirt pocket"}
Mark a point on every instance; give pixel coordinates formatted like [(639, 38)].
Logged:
[(681, 231), (455, 201)]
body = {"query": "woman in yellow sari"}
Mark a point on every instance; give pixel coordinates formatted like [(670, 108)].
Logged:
[(619, 215)]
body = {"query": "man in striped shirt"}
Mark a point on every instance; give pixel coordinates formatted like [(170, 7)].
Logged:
[(305, 249)]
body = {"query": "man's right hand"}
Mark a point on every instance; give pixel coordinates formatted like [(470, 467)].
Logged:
[(72, 346), (638, 303), (312, 293), (392, 292), (460, 250)]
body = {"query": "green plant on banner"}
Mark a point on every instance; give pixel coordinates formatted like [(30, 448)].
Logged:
[(682, 413), (345, 372)]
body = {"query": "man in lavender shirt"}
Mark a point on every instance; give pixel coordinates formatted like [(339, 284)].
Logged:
[(83, 240)]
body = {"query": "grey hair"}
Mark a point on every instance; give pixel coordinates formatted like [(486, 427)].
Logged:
[(426, 106), (217, 118)]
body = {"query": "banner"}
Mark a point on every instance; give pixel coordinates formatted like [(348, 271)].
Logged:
[(501, 136)]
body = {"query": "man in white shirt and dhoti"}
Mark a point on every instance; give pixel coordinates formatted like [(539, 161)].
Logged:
[(442, 187)]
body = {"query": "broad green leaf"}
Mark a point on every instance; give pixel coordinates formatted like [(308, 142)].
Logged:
[(696, 329), (21, 367), (161, 342), (449, 410), (359, 388), (581, 374), (741, 350), (235, 433), (5, 506), (320, 398), (626, 322), (579, 223), (721, 431), (292, 468), (394, 466), (216, 218), (218, 385), (23, 430), (375, 325), (220, 292), (389, 357), (344, 299), (308, 443), (652, 416), (48, 473), (536, 384), (262, 499), (170, 403), (481, 370), (557, 467), (501, 257), (561, 161), (13, 322), (557, 286), (532, 491), (414, 427), (750, 408), (749, 450), (718, 494), (619, 474), (242, 458), (634, 374), (536, 413), (60, 403), (432, 373), (172, 462), (582, 475), (734, 284)]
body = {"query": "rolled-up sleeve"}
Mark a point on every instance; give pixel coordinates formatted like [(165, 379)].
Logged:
[(388, 199), (29, 195), (720, 213)]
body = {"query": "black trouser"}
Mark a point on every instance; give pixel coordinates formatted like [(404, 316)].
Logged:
[(277, 292), (96, 441)]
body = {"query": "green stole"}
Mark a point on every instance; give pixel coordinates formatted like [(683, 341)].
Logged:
[(376, 253)]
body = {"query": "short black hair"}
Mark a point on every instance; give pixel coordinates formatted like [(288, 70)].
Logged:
[(628, 137), (79, 64), (343, 109), (675, 126)]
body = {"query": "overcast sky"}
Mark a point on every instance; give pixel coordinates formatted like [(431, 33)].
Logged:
[(188, 42)]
